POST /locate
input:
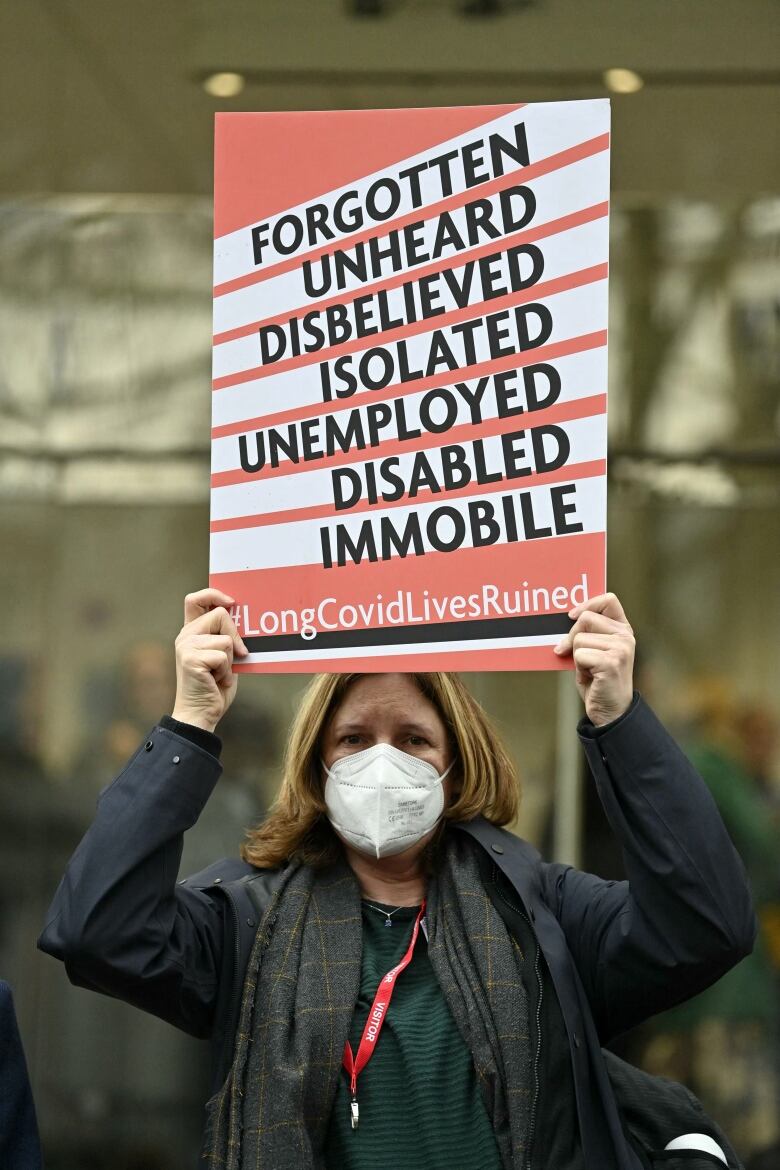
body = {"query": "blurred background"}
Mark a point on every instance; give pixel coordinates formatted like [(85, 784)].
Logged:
[(105, 299)]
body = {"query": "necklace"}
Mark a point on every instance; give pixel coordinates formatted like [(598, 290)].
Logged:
[(387, 913)]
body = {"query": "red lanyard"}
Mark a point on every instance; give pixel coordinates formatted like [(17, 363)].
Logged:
[(376, 1018)]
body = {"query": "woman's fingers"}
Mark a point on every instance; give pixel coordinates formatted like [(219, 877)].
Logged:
[(606, 603), (202, 601), (218, 664), (603, 652), (596, 622), (586, 663), (601, 642), (585, 640), (205, 648), (592, 659), (216, 621), (222, 642)]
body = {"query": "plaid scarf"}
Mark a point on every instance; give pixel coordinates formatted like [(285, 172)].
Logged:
[(480, 969), (299, 996)]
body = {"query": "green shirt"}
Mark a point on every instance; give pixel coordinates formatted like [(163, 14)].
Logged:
[(421, 1107)]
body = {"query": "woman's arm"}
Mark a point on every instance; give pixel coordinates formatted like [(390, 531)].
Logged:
[(119, 921), (684, 917), (19, 1142)]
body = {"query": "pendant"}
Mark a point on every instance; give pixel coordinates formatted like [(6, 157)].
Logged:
[(388, 921)]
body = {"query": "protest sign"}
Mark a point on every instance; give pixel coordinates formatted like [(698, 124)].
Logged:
[(410, 374)]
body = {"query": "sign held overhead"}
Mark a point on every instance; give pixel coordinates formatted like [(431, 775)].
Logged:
[(410, 372)]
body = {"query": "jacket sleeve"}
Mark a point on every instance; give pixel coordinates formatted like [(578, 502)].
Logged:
[(685, 915), (19, 1142), (119, 921)]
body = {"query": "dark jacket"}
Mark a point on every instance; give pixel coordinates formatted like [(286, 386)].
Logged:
[(19, 1145), (617, 952)]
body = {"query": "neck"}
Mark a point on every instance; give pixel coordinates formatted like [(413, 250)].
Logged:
[(396, 881)]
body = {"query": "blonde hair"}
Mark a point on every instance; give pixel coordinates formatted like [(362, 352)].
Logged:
[(485, 779)]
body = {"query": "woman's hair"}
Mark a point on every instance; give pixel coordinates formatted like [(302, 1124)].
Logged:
[(484, 777)]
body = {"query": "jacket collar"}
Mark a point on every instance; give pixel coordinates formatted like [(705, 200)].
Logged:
[(516, 859)]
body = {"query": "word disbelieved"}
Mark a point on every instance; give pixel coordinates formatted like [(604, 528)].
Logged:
[(477, 281)]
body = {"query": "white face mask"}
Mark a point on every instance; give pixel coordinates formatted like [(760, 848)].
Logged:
[(383, 800)]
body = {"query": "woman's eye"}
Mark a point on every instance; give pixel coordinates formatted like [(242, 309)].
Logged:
[(352, 739), (417, 740)]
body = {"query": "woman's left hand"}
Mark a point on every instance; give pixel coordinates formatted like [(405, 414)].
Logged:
[(602, 644)]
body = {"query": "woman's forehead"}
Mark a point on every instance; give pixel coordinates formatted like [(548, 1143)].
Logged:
[(395, 696)]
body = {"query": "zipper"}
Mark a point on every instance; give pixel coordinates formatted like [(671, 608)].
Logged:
[(538, 1015), (236, 988), (537, 1054), (235, 991)]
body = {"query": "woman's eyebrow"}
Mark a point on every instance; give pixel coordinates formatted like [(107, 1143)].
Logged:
[(347, 726), (418, 728), (339, 727)]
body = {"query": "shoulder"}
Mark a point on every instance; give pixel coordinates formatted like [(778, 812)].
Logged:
[(518, 860), (500, 842), (238, 880), (227, 869)]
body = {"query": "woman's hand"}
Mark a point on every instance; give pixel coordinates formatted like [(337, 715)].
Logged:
[(205, 648), (602, 643)]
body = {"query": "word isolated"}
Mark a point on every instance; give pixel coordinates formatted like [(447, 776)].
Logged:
[(410, 374)]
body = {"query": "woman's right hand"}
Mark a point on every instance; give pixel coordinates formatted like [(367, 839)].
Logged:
[(207, 643)]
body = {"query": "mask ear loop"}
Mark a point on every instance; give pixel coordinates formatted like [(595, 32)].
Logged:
[(448, 769), (456, 793)]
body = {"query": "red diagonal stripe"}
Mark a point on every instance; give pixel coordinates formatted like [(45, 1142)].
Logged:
[(269, 162), (544, 166)]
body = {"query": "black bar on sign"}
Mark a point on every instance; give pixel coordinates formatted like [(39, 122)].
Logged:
[(507, 627)]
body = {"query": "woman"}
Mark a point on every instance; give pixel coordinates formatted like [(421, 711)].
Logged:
[(389, 978)]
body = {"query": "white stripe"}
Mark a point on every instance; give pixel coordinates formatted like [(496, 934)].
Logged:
[(410, 648)]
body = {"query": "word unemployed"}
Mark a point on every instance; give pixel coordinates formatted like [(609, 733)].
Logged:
[(514, 392)]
